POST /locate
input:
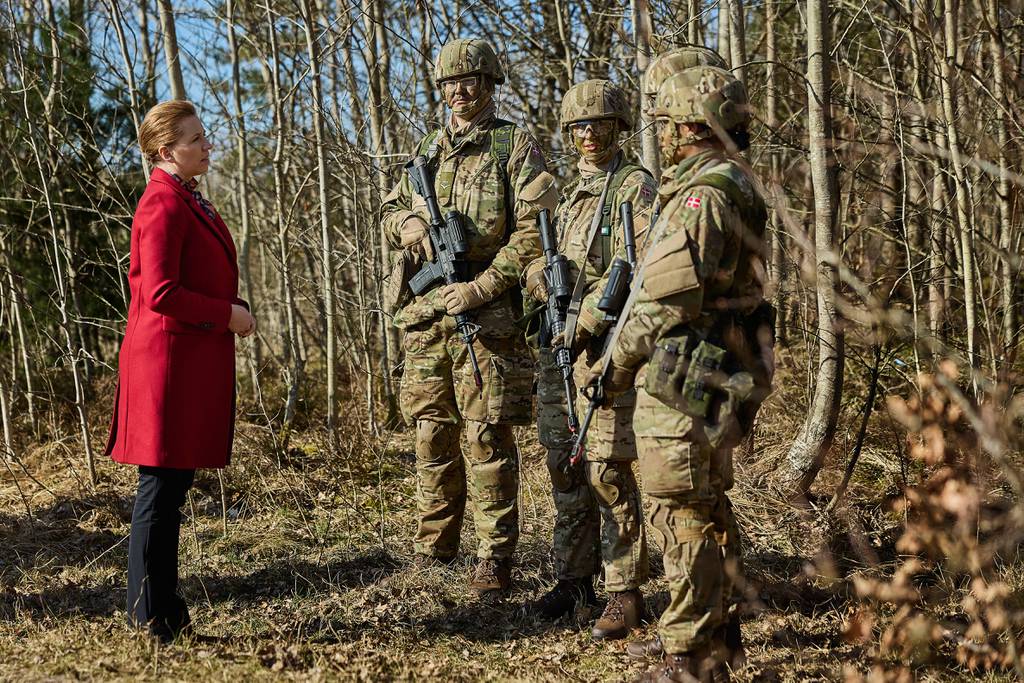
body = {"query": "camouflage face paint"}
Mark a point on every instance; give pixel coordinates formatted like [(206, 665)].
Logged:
[(594, 146)]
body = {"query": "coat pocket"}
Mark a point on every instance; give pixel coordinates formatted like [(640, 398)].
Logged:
[(175, 326)]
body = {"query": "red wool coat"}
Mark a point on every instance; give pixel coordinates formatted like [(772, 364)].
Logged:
[(175, 404)]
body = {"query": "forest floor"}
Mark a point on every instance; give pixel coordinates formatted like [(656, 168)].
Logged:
[(313, 578)]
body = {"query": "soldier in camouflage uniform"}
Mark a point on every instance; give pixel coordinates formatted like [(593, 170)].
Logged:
[(602, 486), (702, 275), (661, 68), (494, 174)]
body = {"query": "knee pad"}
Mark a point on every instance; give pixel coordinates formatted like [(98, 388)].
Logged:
[(436, 441), (607, 482)]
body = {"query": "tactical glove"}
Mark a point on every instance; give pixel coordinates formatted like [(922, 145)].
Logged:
[(536, 284), (579, 340), (618, 379), (414, 237), (464, 296)]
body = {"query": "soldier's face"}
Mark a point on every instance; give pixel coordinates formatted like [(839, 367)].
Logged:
[(595, 140), (676, 139), (467, 95)]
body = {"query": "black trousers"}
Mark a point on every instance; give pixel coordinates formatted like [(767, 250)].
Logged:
[(153, 600)]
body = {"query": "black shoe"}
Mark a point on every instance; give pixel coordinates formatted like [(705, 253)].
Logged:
[(565, 597)]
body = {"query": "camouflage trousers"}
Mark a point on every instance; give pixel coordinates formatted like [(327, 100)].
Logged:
[(694, 522), (439, 394), (599, 520)]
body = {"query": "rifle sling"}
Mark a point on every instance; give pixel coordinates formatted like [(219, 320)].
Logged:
[(576, 302)]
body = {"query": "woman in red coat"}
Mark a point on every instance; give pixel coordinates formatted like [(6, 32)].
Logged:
[(175, 406)]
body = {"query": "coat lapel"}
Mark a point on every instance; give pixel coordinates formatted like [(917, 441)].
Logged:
[(216, 225)]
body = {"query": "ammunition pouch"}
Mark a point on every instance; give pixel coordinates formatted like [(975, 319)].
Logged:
[(720, 381), (684, 373)]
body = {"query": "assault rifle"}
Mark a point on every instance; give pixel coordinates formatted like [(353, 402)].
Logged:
[(556, 275), (448, 241), (611, 303)]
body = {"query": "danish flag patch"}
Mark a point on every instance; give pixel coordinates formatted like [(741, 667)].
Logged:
[(693, 202)]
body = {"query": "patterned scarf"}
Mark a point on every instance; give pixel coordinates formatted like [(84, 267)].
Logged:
[(204, 203)]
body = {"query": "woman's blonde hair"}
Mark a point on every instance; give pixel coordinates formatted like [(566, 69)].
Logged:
[(162, 126)]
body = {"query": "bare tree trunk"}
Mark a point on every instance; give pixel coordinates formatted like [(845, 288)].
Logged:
[(48, 171), (294, 350), (118, 20), (778, 228), (245, 248), (737, 39), (724, 48), (313, 48), (960, 185), (563, 35), (642, 30), (19, 326), (693, 25), (171, 50), (148, 58), (1008, 267), (812, 444)]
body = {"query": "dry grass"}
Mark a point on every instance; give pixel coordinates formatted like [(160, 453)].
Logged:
[(313, 579)]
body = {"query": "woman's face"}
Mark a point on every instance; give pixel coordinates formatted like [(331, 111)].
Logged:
[(190, 154)]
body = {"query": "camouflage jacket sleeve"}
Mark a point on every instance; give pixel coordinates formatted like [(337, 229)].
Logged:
[(395, 210), (534, 189), (640, 189), (677, 271)]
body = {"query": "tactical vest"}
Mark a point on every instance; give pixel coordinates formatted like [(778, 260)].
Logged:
[(500, 136), (608, 210)]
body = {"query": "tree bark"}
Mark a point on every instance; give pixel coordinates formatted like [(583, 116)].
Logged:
[(642, 30), (327, 257), (171, 50), (1007, 259), (737, 39), (807, 454), (965, 229)]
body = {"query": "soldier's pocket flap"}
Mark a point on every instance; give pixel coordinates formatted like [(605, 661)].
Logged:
[(542, 191), (670, 267)]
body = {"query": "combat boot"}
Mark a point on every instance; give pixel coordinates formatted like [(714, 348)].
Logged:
[(728, 643), (623, 612), (688, 667), (491, 577), (423, 562), (651, 649), (565, 597)]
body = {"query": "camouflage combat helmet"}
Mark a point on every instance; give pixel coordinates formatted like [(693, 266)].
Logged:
[(707, 95), (468, 56), (596, 99), (672, 62)]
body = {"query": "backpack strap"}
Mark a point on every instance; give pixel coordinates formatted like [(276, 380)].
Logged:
[(608, 210), (501, 151), (428, 145)]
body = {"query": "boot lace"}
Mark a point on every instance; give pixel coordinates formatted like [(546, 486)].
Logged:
[(614, 610), (487, 572)]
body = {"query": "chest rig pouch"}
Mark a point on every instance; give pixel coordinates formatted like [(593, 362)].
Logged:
[(685, 373)]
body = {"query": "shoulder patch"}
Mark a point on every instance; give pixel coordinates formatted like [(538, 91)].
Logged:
[(692, 202)]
